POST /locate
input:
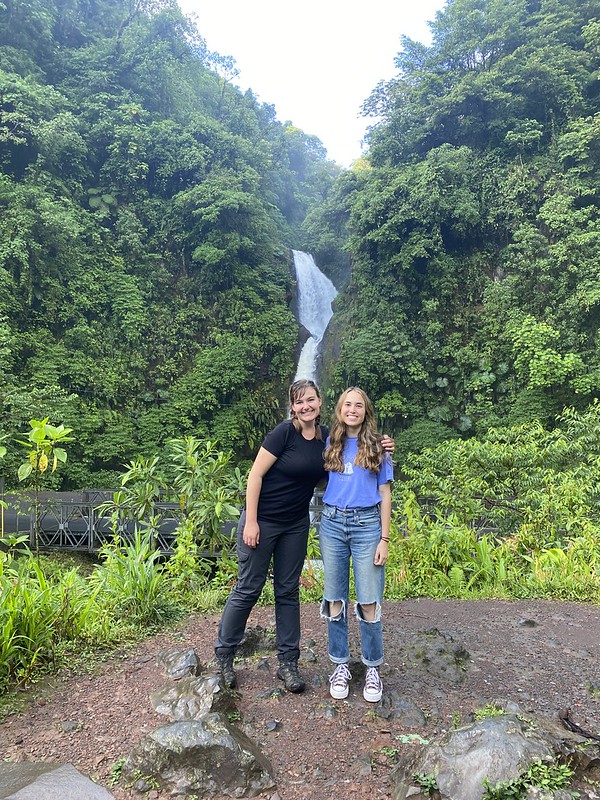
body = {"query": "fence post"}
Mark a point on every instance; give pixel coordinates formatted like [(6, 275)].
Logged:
[(32, 521), (91, 528)]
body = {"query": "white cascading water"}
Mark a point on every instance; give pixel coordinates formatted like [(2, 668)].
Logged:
[(315, 295)]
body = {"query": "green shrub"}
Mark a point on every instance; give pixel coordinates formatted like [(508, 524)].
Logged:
[(131, 582)]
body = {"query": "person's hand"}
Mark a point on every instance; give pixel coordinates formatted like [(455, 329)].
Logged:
[(251, 534), (388, 444), (381, 554)]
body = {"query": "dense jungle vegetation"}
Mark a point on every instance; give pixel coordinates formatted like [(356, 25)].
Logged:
[(472, 225), (147, 208)]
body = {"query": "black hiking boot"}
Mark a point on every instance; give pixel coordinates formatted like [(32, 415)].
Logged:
[(226, 670), (288, 673)]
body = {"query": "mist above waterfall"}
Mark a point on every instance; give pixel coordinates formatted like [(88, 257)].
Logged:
[(315, 295)]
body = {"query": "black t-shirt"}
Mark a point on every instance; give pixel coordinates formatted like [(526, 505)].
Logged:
[(288, 486)]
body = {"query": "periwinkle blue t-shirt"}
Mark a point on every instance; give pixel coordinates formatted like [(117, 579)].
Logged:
[(356, 487)]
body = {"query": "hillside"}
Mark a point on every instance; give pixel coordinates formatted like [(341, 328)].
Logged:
[(474, 224), (147, 208)]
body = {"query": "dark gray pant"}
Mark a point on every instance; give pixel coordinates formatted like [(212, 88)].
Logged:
[(286, 545)]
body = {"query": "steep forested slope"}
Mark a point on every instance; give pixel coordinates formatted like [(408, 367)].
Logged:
[(475, 244), (146, 208)]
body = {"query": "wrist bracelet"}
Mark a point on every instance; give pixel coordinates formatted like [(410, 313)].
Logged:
[(383, 539)]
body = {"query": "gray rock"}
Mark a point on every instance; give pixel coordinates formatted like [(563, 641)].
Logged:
[(205, 756), (180, 663), (363, 766), (189, 698), (508, 706), (497, 749), (438, 654), (70, 726), (40, 781), (142, 785), (308, 657), (394, 706), (256, 640), (329, 710), (270, 694), (537, 793)]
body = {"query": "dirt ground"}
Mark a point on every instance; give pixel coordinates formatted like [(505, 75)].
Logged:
[(541, 655)]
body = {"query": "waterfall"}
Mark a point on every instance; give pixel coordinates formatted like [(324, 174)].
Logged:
[(315, 295)]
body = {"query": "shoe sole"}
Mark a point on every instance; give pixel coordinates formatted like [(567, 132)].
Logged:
[(339, 694), (370, 697)]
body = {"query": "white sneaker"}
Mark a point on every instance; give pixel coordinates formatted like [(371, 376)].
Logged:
[(373, 686), (338, 688)]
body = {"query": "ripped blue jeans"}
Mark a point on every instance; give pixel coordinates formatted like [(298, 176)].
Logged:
[(345, 534)]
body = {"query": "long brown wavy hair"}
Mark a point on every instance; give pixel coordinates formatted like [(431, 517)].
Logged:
[(297, 390), (370, 451)]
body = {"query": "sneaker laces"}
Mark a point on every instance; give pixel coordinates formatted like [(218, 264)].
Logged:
[(372, 680), (341, 676)]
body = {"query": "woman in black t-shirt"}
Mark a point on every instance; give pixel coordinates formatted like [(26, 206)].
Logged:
[(274, 525)]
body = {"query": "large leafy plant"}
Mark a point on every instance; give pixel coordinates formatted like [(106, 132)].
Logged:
[(44, 445), (192, 480)]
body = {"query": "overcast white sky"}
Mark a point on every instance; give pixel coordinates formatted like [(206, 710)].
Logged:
[(316, 61)]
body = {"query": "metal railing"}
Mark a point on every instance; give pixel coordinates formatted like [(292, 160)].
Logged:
[(74, 523)]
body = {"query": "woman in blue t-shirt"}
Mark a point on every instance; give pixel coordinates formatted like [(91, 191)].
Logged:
[(355, 523)]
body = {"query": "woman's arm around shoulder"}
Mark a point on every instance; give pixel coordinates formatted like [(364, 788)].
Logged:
[(388, 444)]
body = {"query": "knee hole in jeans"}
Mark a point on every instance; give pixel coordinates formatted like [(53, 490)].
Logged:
[(326, 611), (361, 615)]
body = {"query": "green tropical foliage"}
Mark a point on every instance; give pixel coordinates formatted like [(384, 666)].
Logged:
[(513, 514), (192, 481), (147, 208), (45, 451), (473, 224)]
